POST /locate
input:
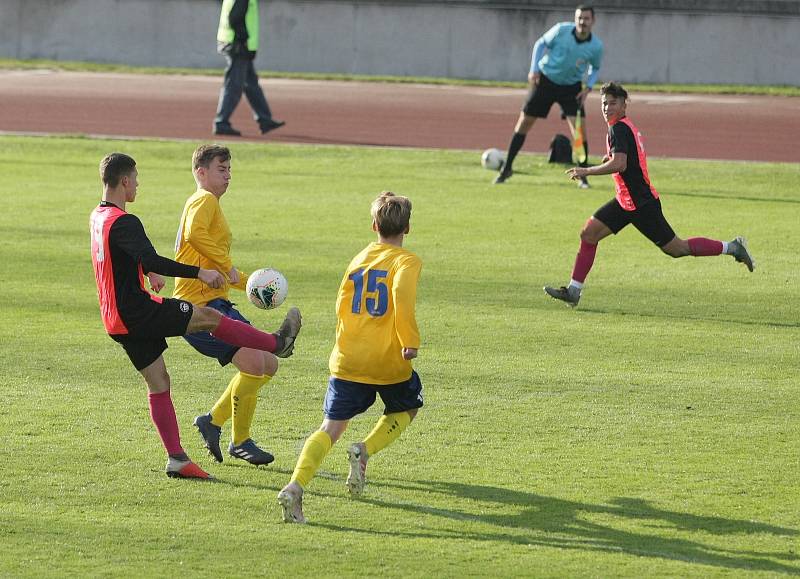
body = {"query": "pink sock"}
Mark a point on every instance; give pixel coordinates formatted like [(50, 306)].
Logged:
[(244, 335), (584, 261), (162, 412), (702, 246)]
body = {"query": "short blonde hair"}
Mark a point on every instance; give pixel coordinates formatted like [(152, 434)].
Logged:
[(204, 154), (392, 213)]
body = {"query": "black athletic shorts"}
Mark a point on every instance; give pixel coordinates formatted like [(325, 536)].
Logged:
[(647, 218), (543, 95), (145, 342)]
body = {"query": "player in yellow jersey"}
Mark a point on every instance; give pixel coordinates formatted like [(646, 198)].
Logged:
[(376, 339), (204, 239)]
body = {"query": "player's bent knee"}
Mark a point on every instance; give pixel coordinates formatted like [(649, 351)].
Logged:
[(334, 428), (271, 364), (254, 362), (157, 383), (589, 236), (676, 248)]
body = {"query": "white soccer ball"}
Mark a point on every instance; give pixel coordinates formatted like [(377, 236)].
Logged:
[(493, 159), (267, 288)]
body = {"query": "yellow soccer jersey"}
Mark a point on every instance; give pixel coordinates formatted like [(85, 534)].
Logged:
[(204, 240), (375, 316)]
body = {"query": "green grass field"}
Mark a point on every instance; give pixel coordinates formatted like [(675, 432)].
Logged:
[(654, 431)]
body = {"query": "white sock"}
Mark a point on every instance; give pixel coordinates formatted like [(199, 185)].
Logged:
[(576, 284), (725, 248)]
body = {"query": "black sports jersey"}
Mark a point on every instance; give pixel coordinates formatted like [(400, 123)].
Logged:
[(121, 255), (632, 184)]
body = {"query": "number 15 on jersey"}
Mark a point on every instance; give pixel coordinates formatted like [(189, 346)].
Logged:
[(377, 291)]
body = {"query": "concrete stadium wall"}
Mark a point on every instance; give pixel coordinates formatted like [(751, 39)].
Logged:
[(676, 41)]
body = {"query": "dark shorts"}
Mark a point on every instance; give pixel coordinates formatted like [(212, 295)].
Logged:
[(145, 342), (543, 95), (647, 218), (210, 346), (345, 399)]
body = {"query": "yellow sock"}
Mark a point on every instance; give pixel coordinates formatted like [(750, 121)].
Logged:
[(244, 396), (388, 429), (314, 452), (223, 410)]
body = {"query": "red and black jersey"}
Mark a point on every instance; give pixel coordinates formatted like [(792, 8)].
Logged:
[(633, 184), (121, 255)]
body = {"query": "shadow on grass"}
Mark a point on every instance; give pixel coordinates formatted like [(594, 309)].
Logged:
[(564, 524), (683, 317), (316, 140), (734, 197)]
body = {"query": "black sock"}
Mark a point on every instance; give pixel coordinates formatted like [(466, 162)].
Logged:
[(513, 148), (585, 154), (586, 162)]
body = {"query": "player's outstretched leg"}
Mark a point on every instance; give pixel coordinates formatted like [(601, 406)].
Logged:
[(702, 246), (287, 334), (210, 433), (738, 249), (291, 501), (570, 295), (238, 333), (357, 457)]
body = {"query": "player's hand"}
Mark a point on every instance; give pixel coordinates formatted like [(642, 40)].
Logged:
[(576, 172), (157, 282), (534, 77), (212, 278), (409, 353), (233, 276), (581, 98)]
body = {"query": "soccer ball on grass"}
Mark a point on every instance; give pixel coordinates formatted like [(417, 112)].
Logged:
[(267, 288), (493, 159)]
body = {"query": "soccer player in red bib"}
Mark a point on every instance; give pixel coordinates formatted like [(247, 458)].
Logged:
[(636, 202), (122, 256)]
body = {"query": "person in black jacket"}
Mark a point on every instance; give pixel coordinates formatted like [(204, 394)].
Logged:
[(237, 40)]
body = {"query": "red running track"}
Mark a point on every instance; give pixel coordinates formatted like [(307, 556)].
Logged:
[(753, 128)]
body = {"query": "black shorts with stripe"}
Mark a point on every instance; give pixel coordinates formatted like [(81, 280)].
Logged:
[(145, 342), (647, 218), (543, 95)]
